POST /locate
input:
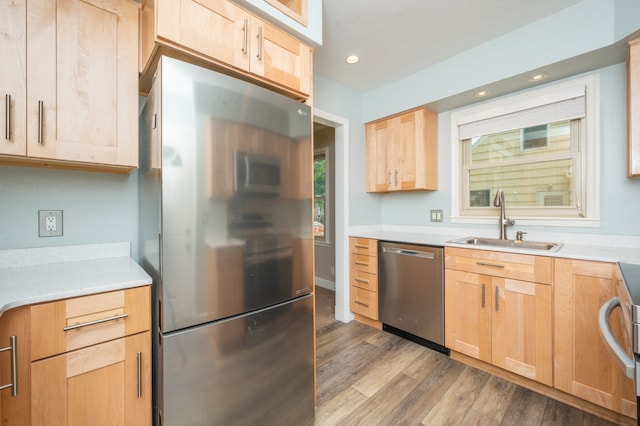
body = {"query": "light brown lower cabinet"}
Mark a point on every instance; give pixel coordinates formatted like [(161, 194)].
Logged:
[(501, 321), (582, 363), (14, 402), (91, 360), (104, 384)]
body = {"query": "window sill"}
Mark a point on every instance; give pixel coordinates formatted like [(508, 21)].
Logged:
[(547, 221)]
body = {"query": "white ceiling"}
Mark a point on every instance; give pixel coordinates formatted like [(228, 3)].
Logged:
[(396, 38)]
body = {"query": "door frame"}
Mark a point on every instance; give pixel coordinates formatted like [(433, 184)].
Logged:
[(341, 191)]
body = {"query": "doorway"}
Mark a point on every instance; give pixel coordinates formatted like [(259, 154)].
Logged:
[(340, 218)]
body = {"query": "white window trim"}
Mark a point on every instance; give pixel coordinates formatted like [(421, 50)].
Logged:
[(327, 197), (531, 99)]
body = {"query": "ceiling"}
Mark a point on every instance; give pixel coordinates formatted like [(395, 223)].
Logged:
[(396, 38)]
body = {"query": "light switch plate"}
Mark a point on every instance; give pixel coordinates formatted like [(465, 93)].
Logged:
[(436, 215), (49, 223)]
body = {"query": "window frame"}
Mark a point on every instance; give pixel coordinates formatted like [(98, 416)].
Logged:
[(590, 127), (326, 241)]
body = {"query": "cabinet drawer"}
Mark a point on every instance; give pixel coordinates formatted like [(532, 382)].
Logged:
[(69, 324), (364, 302), (364, 280), (364, 246), (522, 267), (363, 263)]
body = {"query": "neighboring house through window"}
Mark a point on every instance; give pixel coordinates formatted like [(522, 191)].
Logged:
[(541, 147)]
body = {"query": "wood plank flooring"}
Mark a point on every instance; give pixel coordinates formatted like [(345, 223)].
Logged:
[(370, 377)]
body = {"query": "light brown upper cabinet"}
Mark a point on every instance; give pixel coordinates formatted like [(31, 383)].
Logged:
[(69, 83), (402, 152), (220, 35), (633, 106), (296, 9)]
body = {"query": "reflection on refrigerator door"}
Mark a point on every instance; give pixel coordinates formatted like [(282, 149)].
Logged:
[(247, 370)]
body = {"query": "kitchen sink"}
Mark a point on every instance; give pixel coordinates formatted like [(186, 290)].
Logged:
[(516, 244)]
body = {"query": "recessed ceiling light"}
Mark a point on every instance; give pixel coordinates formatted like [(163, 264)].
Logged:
[(481, 94), (538, 77), (352, 59)]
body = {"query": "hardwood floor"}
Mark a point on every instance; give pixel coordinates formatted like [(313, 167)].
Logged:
[(370, 377)]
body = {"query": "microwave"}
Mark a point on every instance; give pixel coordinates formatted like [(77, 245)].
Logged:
[(256, 173)]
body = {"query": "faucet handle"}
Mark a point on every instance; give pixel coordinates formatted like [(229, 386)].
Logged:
[(519, 235)]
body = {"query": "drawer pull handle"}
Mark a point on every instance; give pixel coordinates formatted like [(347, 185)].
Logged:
[(362, 280), (245, 30), (40, 121), (100, 321), (484, 289), (362, 246), (139, 374), (13, 347), (497, 298), (260, 43), (362, 263), (366, 305), (495, 265), (7, 113)]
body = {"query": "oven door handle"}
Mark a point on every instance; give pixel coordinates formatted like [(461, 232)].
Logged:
[(626, 363)]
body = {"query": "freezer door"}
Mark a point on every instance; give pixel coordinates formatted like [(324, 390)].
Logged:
[(230, 245), (249, 370)]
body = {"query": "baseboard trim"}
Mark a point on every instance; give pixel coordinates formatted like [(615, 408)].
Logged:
[(329, 285)]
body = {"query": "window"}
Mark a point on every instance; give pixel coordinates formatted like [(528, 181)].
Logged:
[(537, 147), (320, 195)]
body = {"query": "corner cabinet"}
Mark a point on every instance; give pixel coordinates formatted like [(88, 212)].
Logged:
[(69, 84), (402, 152), (583, 364), (219, 34), (633, 109), (91, 360), (498, 310), (15, 395), (363, 289)]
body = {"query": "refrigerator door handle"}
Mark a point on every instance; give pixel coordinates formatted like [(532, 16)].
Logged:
[(303, 291)]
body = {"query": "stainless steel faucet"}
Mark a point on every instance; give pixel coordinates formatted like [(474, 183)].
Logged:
[(498, 201)]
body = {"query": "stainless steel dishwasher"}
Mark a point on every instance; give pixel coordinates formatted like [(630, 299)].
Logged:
[(411, 292)]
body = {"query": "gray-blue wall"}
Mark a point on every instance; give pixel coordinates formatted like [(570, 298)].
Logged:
[(576, 32)]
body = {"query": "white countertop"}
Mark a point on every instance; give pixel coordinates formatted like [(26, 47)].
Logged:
[(592, 251), (29, 276)]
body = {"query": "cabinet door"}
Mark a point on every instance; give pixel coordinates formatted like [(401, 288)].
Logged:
[(521, 324), (280, 58), (13, 55), (217, 29), (404, 150), (82, 102), (378, 175), (468, 314), (14, 410), (97, 385), (582, 363)]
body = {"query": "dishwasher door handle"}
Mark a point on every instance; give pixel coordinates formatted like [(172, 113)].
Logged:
[(406, 252)]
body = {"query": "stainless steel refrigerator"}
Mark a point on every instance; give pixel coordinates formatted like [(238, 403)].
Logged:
[(225, 188)]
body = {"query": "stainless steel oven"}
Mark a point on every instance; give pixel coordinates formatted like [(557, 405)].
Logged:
[(625, 347)]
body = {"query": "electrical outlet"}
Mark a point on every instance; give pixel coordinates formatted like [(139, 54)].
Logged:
[(436, 215), (49, 223)]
